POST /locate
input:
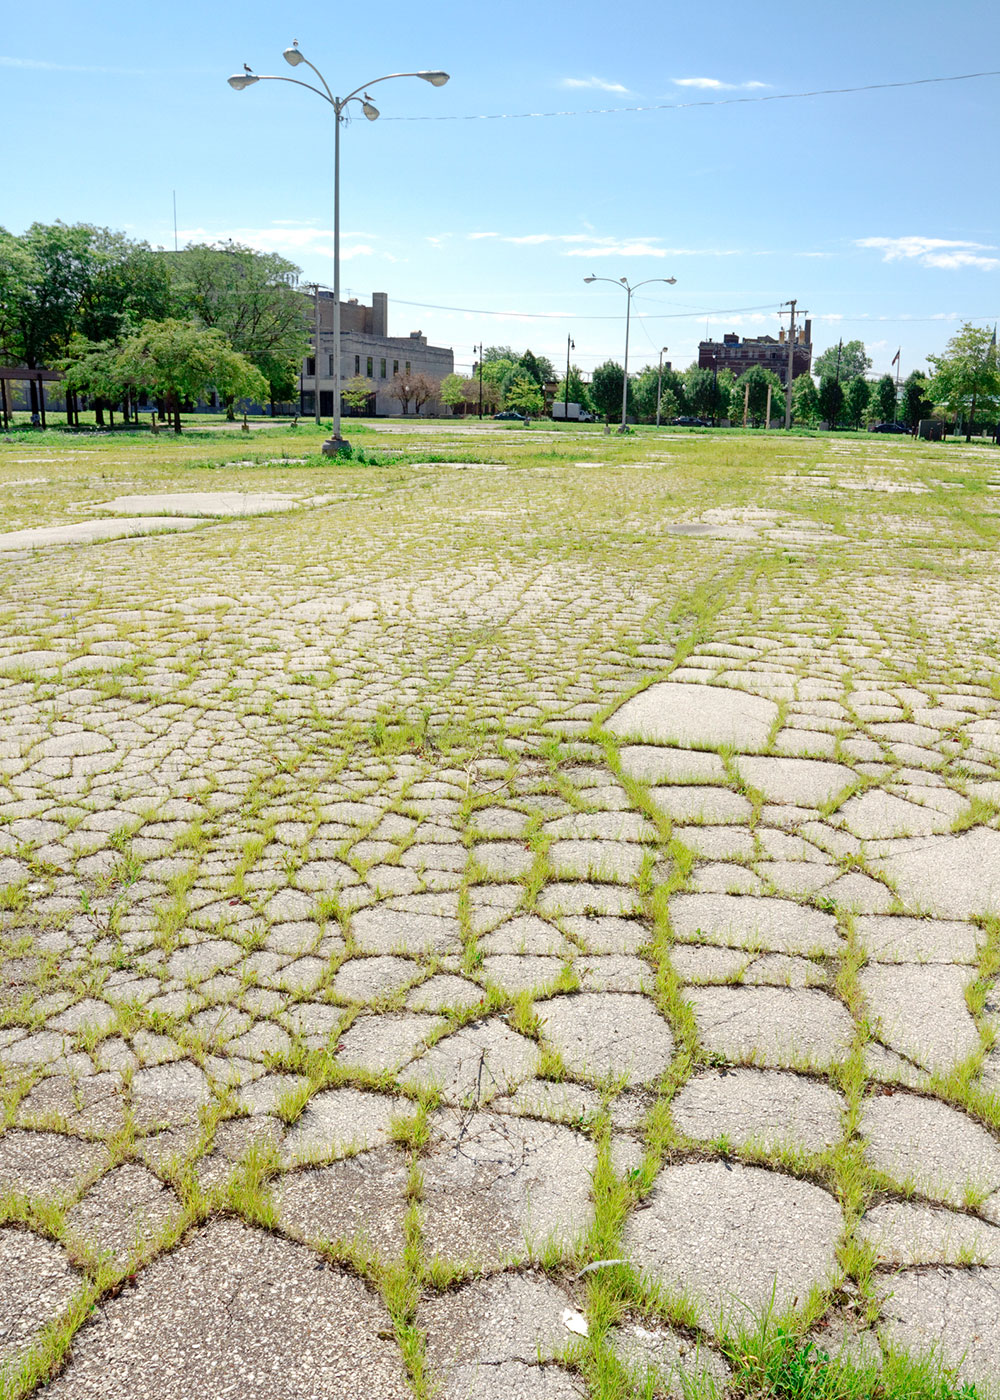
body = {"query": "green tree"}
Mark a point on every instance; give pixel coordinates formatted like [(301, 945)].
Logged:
[(499, 352), (758, 380), (452, 391), (523, 395), (179, 361), (579, 392), (856, 396), (805, 400), (643, 393), (94, 368), (831, 400), (497, 370), (356, 392), (537, 367), (966, 377), (253, 299), (843, 362), (916, 403), (129, 284), (44, 276), (883, 400), (703, 396), (725, 381), (606, 390)]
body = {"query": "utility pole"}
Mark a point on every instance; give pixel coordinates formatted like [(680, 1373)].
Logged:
[(791, 364), (840, 347), (659, 384), (480, 380), (570, 345)]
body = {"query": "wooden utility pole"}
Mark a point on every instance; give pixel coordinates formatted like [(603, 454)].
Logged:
[(791, 365), (746, 403), (767, 415)]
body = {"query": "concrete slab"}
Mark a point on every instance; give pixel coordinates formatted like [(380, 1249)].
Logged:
[(696, 716), (738, 1238), (92, 531)]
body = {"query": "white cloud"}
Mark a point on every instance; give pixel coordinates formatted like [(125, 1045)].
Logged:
[(289, 241), (717, 85), (601, 84), (949, 253), (592, 246), (42, 64)]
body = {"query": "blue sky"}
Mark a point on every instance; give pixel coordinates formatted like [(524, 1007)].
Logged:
[(877, 210)]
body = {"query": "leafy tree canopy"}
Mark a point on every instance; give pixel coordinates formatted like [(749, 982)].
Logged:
[(853, 361), (966, 378)]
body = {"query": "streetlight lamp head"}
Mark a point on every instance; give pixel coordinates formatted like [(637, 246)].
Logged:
[(436, 78), (623, 281), (239, 81), (590, 279), (671, 280), (370, 111), (291, 55)]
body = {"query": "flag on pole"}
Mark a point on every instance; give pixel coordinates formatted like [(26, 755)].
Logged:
[(895, 358)]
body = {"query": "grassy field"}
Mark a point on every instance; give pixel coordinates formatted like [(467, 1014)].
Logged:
[(226, 753)]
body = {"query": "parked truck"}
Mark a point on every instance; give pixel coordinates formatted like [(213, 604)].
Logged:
[(571, 411)]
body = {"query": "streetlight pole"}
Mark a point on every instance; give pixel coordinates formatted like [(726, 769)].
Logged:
[(659, 384), (335, 443), (570, 345), (629, 289)]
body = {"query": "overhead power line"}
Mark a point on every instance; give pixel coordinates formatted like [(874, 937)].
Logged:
[(571, 316), (701, 102)]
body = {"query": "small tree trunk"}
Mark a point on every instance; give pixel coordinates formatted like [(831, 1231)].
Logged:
[(99, 412), (161, 410), (972, 419), (230, 412)]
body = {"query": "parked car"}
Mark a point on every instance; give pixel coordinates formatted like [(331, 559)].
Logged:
[(685, 422), (890, 428), (508, 415)]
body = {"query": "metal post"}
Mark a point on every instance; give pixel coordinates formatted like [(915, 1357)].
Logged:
[(628, 317), (659, 386), (335, 437), (791, 365), (480, 379), (569, 346)]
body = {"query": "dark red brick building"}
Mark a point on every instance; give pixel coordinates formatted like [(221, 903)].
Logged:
[(738, 355)]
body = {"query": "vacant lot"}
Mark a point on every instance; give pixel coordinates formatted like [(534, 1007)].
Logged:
[(505, 852)]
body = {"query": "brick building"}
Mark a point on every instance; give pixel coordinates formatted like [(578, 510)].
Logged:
[(738, 355), (366, 349)]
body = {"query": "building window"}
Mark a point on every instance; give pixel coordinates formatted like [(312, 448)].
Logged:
[(311, 365), (382, 367), (357, 364), (330, 370), (368, 371), (407, 366), (395, 366)]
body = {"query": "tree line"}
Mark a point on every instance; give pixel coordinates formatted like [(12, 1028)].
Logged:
[(123, 320)]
